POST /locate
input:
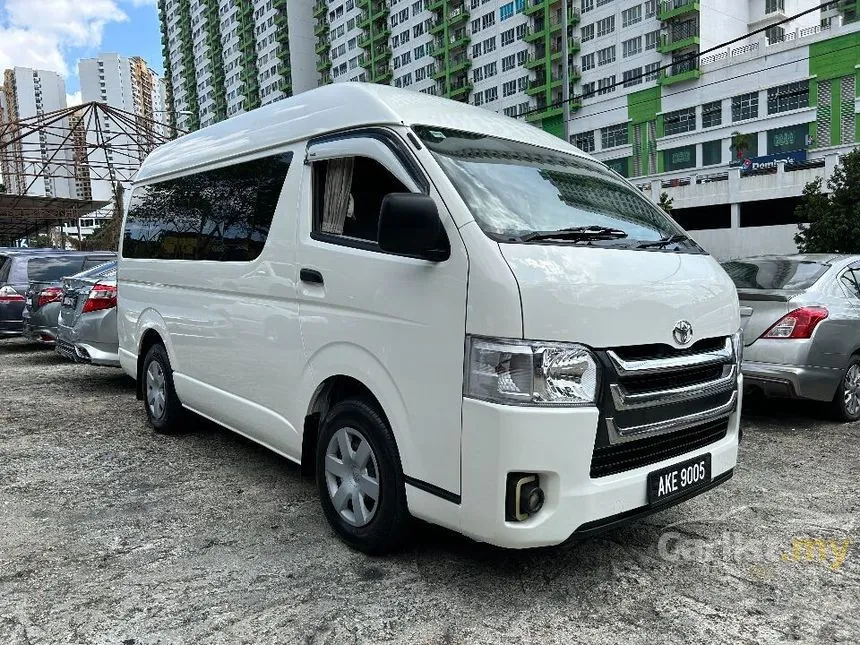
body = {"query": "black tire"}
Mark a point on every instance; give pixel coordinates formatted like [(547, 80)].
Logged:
[(840, 406), (390, 521), (167, 418)]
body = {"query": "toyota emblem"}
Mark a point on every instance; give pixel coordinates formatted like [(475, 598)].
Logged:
[(683, 332)]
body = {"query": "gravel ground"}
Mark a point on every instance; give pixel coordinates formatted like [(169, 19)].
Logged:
[(112, 534)]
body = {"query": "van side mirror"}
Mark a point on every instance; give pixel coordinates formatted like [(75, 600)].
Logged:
[(409, 224)]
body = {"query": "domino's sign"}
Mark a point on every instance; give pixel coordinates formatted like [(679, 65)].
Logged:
[(771, 161)]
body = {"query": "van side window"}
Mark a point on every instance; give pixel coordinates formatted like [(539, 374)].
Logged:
[(222, 214), (348, 193)]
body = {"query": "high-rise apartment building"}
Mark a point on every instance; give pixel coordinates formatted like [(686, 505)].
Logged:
[(222, 57), (38, 163)]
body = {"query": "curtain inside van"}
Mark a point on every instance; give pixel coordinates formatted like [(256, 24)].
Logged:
[(338, 181)]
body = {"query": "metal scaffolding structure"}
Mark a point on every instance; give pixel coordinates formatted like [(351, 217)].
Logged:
[(89, 145)]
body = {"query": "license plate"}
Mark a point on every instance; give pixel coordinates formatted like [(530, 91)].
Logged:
[(665, 484), (69, 301)]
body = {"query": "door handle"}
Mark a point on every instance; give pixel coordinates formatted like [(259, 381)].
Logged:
[(311, 275)]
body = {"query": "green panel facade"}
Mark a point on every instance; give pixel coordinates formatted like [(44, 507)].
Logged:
[(642, 110), (248, 54), (170, 104), (215, 54), (186, 48)]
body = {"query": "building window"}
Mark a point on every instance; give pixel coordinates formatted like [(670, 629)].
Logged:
[(712, 114), (587, 5), (632, 77), (587, 62), (651, 71), (679, 121), (587, 33), (775, 34), (478, 98), (508, 37), (588, 90), (606, 55), (650, 8), (745, 106), (631, 16), (792, 96), (506, 11), (509, 88), (491, 94), (632, 47), (584, 141), (605, 26), (652, 38), (712, 152), (613, 136), (509, 62), (787, 139), (606, 85), (679, 158), (770, 6)]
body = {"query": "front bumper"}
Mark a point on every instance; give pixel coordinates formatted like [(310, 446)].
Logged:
[(792, 381), (557, 445)]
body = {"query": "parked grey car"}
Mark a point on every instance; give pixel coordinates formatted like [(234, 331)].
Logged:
[(801, 319), (15, 265), (42, 304), (87, 323)]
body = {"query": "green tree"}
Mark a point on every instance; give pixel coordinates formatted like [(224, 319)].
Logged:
[(832, 218), (666, 203), (741, 143)]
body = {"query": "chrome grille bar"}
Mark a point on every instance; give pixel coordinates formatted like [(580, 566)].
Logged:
[(625, 401), (621, 434), (673, 364)]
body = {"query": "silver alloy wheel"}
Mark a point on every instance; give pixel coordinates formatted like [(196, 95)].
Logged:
[(852, 390), (156, 389), (352, 476)]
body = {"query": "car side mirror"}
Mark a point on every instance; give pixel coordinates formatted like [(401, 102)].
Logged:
[(409, 224)]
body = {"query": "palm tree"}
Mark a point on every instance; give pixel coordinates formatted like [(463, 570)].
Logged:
[(740, 144)]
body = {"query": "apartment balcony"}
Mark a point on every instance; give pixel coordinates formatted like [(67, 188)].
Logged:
[(535, 59), (537, 85), (437, 26), (459, 38), (573, 46), (382, 74), (671, 9), (535, 6), (680, 72), (458, 15), (320, 9), (324, 64), (459, 88), (535, 31), (572, 19), (669, 44), (321, 28), (440, 73), (247, 9), (323, 44), (460, 63), (285, 85), (436, 5), (281, 19)]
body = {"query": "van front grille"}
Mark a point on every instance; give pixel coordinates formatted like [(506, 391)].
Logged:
[(618, 458)]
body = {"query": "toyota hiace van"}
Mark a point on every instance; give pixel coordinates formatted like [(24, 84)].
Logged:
[(442, 312)]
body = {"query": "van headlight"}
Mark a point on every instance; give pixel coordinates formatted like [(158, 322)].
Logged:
[(738, 346), (530, 373)]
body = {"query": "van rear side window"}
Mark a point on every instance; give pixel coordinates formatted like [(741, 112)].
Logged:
[(222, 214)]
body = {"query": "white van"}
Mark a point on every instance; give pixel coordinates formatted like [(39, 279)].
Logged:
[(443, 312)]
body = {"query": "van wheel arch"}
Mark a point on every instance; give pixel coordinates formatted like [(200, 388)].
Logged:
[(330, 392), (150, 337)]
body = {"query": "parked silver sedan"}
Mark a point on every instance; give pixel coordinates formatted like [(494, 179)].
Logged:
[(801, 319), (86, 328)]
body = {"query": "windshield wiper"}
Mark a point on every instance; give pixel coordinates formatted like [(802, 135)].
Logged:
[(666, 241), (576, 234)]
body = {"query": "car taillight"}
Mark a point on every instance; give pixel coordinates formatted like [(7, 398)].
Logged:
[(49, 295), (8, 294), (102, 296), (799, 323)]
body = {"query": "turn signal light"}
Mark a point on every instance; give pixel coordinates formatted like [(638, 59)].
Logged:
[(799, 323), (102, 296), (49, 295)]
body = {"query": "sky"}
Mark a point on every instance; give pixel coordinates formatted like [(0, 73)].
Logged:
[(56, 34)]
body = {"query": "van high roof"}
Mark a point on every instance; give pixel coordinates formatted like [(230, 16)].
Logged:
[(338, 106)]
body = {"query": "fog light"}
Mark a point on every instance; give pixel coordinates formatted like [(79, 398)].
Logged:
[(524, 496)]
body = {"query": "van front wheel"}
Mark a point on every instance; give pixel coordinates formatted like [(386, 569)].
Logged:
[(360, 479)]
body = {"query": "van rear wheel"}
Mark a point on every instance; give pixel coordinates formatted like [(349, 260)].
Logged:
[(360, 479), (163, 408)]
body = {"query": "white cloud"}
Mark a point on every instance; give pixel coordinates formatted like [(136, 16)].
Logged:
[(73, 99), (39, 34)]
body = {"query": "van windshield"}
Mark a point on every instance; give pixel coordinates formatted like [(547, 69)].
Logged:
[(515, 190)]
